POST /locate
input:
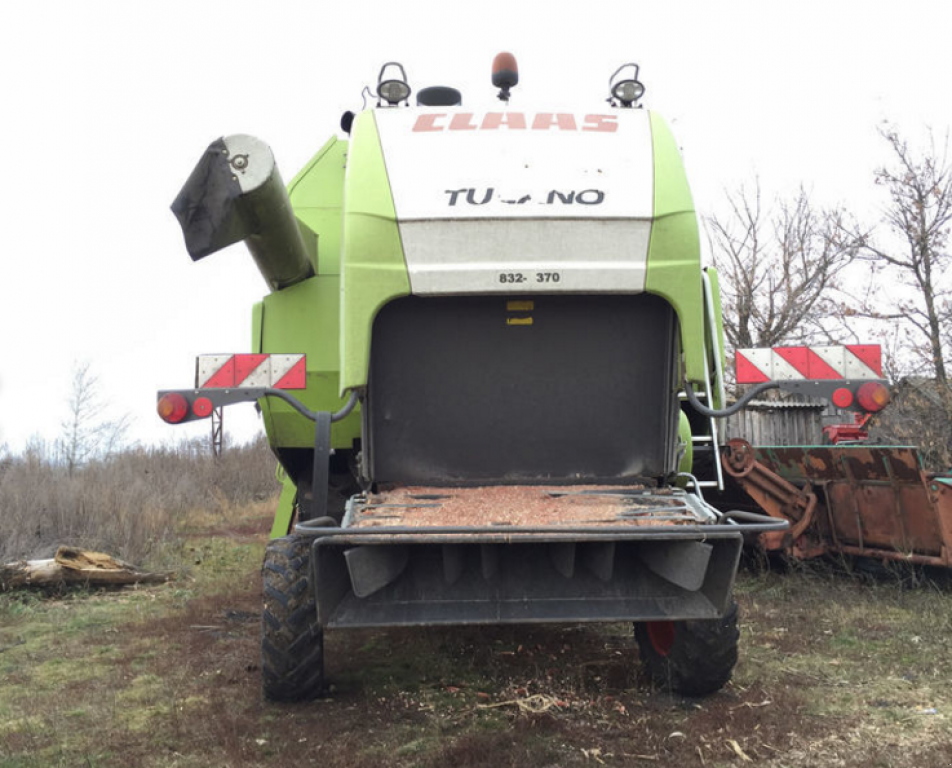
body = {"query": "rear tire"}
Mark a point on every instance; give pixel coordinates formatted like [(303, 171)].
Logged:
[(694, 658), (292, 643)]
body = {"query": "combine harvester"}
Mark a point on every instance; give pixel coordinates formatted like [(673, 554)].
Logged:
[(487, 362), (850, 497)]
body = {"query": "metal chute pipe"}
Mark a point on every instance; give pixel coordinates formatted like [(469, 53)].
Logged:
[(713, 413), (236, 193)]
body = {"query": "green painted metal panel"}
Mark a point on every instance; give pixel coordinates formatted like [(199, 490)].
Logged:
[(257, 321), (674, 253), (715, 281), (684, 437), (374, 269), (288, 429), (282, 515), (317, 195), (304, 318)]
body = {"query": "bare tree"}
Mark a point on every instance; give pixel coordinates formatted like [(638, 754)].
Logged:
[(916, 417), (909, 258), (779, 268), (87, 433)]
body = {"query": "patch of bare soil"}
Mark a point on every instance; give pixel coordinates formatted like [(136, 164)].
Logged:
[(504, 696)]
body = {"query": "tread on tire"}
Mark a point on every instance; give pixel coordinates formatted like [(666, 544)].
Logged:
[(292, 643), (695, 657)]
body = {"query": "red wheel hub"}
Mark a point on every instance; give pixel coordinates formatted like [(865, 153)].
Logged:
[(661, 634), (738, 458)]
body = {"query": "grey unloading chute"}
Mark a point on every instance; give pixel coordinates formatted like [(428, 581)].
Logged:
[(236, 193)]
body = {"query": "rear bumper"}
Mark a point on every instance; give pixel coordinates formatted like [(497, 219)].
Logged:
[(416, 575)]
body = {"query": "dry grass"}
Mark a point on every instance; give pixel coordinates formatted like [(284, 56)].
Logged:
[(128, 505)]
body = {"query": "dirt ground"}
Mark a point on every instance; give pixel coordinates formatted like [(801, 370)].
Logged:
[(835, 670)]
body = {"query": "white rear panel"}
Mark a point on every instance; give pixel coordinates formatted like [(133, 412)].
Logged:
[(521, 202)]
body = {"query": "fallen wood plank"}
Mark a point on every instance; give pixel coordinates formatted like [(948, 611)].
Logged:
[(84, 559), (73, 565)]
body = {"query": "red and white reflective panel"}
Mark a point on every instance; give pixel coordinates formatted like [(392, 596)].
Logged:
[(245, 371), (851, 361)]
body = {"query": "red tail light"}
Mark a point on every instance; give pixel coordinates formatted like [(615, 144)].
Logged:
[(202, 407), (873, 396), (172, 408), (842, 398)]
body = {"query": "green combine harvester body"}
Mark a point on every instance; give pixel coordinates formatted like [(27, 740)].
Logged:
[(503, 317), (359, 249)]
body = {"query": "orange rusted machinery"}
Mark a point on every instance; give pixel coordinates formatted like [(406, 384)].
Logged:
[(861, 500)]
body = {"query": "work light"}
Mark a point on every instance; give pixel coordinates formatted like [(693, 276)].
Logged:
[(627, 90), (393, 90)]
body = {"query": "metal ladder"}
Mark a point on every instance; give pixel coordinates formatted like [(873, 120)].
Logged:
[(712, 439)]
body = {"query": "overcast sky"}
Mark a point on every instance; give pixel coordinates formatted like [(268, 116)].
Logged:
[(106, 107)]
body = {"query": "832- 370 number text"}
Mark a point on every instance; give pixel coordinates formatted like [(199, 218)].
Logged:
[(519, 277)]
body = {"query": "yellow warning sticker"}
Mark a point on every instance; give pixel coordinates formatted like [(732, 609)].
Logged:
[(520, 306), (518, 321)]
